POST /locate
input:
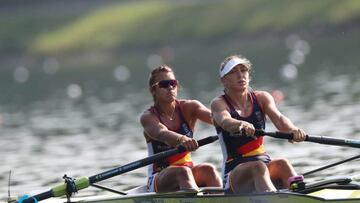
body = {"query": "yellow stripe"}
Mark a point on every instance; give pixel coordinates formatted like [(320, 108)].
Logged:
[(185, 159), (259, 150)]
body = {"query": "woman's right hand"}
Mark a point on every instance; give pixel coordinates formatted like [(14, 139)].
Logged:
[(190, 144), (247, 129)]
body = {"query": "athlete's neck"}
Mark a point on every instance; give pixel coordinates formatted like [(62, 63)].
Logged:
[(166, 110), (239, 99)]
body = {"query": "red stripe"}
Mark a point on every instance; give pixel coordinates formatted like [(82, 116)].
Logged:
[(248, 147), (176, 157)]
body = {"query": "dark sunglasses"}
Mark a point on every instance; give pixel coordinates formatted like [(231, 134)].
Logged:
[(166, 83)]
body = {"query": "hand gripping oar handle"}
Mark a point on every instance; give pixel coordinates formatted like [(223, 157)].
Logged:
[(84, 182), (313, 138)]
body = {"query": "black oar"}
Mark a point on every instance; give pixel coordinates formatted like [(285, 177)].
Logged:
[(320, 140), (299, 184), (313, 138), (331, 165), (84, 182)]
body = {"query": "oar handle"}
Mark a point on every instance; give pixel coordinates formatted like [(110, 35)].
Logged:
[(280, 135), (207, 140), (312, 138)]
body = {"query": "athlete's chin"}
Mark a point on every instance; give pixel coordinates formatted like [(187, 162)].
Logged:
[(240, 88), (171, 99)]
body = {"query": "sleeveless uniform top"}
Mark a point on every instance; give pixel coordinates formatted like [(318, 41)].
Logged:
[(154, 146), (242, 149)]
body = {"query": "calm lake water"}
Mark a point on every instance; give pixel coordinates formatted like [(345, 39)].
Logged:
[(82, 136)]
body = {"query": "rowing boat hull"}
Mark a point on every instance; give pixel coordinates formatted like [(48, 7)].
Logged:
[(334, 196)]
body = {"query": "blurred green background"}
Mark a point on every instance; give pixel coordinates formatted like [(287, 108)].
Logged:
[(101, 46), (73, 78)]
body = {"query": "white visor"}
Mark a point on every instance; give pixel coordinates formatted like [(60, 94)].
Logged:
[(230, 65)]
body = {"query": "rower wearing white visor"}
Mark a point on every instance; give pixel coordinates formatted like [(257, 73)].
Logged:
[(236, 114)]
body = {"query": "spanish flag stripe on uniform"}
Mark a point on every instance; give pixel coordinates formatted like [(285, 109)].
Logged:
[(180, 159)]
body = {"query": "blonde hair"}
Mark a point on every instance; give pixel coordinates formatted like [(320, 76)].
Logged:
[(247, 63)]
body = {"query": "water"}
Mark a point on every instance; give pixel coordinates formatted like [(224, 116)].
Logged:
[(45, 139)]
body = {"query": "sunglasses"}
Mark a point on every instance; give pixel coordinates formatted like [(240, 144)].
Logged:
[(166, 83)]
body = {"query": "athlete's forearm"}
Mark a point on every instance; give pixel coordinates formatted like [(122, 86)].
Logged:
[(170, 138), (231, 125), (284, 124)]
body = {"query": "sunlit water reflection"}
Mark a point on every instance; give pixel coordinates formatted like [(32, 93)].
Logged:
[(60, 136)]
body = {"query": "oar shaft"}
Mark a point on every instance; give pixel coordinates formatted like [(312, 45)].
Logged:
[(146, 161), (313, 138), (39, 197), (133, 165), (59, 190), (331, 165), (84, 182), (320, 140), (334, 141)]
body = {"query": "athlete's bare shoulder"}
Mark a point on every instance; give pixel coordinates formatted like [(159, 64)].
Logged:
[(262, 95), (147, 115), (189, 102)]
